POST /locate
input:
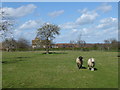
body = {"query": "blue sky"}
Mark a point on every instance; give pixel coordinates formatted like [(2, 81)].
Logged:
[(95, 21)]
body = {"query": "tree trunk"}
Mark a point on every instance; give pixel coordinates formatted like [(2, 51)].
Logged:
[(47, 46), (8, 49), (47, 49)]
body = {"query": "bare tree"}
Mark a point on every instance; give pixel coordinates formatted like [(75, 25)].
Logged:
[(47, 32), (9, 44), (107, 44), (81, 43), (111, 43), (73, 43), (12, 44), (114, 43), (23, 44)]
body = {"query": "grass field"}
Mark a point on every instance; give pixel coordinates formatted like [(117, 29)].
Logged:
[(59, 70)]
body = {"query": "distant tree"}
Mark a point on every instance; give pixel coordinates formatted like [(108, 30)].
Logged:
[(114, 43), (73, 43), (6, 27), (47, 32), (9, 44), (107, 44), (111, 43), (95, 47), (81, 43), (23, 44), (12, 44)]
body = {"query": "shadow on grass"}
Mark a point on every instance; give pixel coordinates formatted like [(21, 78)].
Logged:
[(22, 57), (118, 56), (16, 57), (15, 61), (55, 53), (12, 61), (95, 69), (83, 68)]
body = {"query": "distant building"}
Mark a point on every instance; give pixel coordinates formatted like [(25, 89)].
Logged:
[(36, 43)]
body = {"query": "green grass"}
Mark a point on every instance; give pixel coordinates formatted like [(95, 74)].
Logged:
[(37, 70)]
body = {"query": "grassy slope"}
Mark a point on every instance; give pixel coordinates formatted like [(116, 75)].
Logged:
[(36, 70)]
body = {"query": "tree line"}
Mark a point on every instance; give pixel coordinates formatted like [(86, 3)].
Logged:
[(24, 45), (16, 45)]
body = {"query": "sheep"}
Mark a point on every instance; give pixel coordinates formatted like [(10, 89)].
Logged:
[(91, 64), (79, 62)]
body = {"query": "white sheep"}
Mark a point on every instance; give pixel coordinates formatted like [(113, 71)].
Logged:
[(91, 64), (79, 62)]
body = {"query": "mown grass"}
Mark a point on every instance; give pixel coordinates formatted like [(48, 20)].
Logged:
[(59, 70)]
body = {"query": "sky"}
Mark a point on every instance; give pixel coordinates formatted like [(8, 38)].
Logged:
[(93, 21)]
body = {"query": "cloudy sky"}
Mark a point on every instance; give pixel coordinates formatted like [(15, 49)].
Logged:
[(94, 21)]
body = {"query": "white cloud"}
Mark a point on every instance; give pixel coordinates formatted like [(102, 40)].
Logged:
[(106, 28), (105, 7), (25, 34), (75, 30), (107, 23), (97, 32), (29, 29), (69, 25), (31, 24), (20, 11), (56, 13), (109, 20), (87, 18), (67, 36)]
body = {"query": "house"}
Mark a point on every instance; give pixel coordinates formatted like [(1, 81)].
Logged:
[(36, 43)]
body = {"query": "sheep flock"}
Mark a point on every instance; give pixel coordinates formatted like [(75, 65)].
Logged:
[(90, 63)]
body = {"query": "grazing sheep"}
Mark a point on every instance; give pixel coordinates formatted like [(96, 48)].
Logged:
[(91, 64), (79, 62)]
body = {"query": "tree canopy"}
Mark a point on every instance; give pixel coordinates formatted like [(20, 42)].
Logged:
[(6, 25), (47, 32)]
